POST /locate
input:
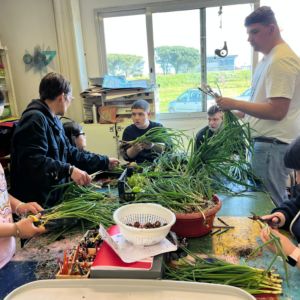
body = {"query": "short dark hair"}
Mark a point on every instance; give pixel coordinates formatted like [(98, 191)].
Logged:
[(2, 98), (72, 130), (141, 104), (263, 15), (53, 85), (213, 110)]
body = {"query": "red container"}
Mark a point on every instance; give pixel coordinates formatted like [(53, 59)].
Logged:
[(193, 224)]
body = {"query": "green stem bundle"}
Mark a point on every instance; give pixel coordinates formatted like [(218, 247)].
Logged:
[(82, 203), (274, 241), (172, 138), (212, 270), (184, 194)]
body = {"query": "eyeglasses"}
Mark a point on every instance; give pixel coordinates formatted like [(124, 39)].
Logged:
[(81, 133), (69, 97)]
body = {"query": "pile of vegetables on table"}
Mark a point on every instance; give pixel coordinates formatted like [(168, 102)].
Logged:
[(184, 180), (213, 270)]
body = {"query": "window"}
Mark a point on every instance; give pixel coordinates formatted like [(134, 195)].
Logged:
[(287, 15), (126, 46), (177, 59), (166, 47), (233, 72)]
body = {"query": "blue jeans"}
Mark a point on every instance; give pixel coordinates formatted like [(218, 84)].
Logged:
[(267, 163)]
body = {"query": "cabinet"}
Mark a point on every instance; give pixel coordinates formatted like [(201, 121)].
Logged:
[(6, 85), (104, 138)]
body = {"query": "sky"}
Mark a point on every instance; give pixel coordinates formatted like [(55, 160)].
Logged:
[(128, 34)]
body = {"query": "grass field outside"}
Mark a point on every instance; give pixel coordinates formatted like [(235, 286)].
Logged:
[(231, 83)]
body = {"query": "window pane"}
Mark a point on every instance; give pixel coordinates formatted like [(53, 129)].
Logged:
[(287, 15), (126, 46), (233, 72), (177, 60)]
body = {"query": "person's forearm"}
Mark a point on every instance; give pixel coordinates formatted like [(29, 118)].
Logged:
[(8, 229), (258, 110), (273, 109), (15, 203), (132, 152), (239, 114)]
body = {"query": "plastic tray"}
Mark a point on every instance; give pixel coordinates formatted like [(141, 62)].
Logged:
[(129, 289)]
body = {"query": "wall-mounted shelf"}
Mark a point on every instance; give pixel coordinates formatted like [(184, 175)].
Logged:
[(117, 98), (6, 85)]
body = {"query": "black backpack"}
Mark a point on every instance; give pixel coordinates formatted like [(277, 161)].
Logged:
[(6, 133)]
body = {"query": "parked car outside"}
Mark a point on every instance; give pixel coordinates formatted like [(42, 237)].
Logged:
[(192, 100), (246, 95)]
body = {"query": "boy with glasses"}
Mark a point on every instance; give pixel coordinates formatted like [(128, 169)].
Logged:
[(42, 156)]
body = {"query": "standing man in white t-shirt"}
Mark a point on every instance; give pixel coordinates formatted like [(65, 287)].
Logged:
[(274, 109)]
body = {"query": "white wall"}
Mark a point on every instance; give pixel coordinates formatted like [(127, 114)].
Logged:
[(24, 25)]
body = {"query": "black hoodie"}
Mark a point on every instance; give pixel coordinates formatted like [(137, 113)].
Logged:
[(42, 155), (291, 207)]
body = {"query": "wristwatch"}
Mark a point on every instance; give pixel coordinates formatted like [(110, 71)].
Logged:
[(292, 259), (71, 169)]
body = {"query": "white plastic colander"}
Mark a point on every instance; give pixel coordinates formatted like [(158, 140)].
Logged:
[(144, 213)]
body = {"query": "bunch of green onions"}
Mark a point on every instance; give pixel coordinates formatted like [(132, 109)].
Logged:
[(170, 163), (224, 155), (82, 203), (275, 241), (172, 138), (233, 137), (212, 270), (180, 194)]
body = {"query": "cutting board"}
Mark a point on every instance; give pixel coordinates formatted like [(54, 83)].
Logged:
[(238, 241)]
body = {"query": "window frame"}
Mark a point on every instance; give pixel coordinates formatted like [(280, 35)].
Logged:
[(169, 6)]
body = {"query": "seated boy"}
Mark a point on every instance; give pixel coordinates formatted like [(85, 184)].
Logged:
[(215, 121), (74, 132), (142, 152)]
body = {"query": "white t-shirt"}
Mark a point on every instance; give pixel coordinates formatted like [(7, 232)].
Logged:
[(7, 244), (277, 75)]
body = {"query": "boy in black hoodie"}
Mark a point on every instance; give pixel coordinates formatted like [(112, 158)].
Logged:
[(287, 215), (42, 155)]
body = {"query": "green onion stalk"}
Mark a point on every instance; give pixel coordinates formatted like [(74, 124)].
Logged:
[(182, 194), (213, 270), (224, 155), (74, 190), (170, 163), (274, 241), (172, 138), (82, 203)]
